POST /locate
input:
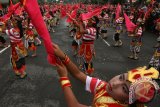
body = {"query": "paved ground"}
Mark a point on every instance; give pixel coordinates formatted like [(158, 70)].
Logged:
[(42, 89)]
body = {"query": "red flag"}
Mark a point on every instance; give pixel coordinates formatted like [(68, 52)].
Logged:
[(6, 16), (129, 24), (12, 7), (10, 12), (19, 11), (32, 8), (118, 11), (89, 15), (72, 16)]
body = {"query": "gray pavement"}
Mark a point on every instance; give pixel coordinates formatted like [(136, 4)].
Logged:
[(42, 89)]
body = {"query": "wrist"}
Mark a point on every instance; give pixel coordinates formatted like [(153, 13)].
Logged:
[(65, 82), (66, 60)]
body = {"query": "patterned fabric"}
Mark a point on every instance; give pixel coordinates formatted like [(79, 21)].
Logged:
[(136, 41), (135, 48), (31, 40), (120, 20), (17, 57), (30, 35), (139, 31), (106, 17), (13, 35), (155, 61), (101, 97), (18, 50), (86, 51), (91, 34)]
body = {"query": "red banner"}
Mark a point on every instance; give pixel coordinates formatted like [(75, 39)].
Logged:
[(32, 8)]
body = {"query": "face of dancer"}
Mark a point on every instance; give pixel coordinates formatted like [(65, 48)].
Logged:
[(118, 88)]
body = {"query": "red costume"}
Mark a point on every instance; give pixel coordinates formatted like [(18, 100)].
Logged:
[(101, 96)]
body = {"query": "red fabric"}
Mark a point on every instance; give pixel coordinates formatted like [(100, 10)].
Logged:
[(11, 10), (6, 16), (129, 24), (32, 8), (63, 12), (72, 16), (118, 11), (89, 8), (19, 11), (93, 84), (89, 15), (12, 7)]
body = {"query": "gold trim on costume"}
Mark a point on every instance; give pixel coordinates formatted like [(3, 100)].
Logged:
[(65, 82)]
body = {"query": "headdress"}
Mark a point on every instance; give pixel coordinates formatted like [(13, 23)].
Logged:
[(143, 88)]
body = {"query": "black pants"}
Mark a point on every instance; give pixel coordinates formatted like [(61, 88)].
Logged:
[(116, 36), (2, 40)]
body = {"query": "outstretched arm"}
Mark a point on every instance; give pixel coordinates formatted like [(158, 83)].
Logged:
[(69, 95), (71, 67)]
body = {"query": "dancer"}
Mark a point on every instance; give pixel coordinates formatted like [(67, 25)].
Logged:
[(136, 41), (18, 51), (121, 91)]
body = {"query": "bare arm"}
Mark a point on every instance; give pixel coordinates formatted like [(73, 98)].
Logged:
[(68, 93), (76, 72), (82, 30), (71, 67)]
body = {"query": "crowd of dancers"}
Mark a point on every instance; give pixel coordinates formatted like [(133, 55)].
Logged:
[(86, 22)]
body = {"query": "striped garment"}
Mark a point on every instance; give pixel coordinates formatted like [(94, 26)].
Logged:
[(91, 84), (135, 48), (101, 97), (131, 17), (106, 17), (13, 35), (155, 62), (91, 34), (119, 20), (139, 31)]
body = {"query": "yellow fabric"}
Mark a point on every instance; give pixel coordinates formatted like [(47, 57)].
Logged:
[(102, 99), (142, 72), (63, 82)]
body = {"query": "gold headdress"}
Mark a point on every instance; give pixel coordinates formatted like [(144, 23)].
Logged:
[(143, 88)]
